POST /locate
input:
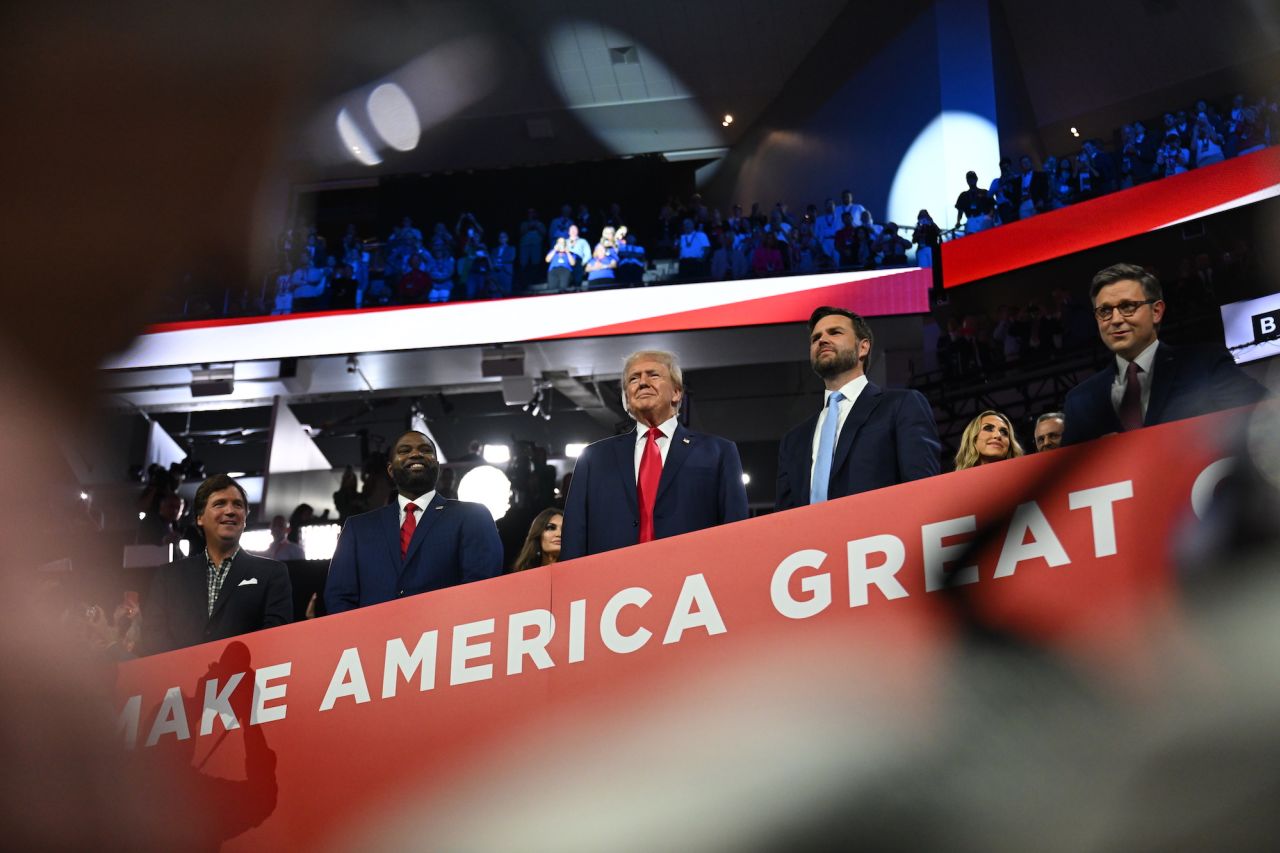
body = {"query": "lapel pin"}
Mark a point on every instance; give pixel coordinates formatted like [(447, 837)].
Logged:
[(685, 440)]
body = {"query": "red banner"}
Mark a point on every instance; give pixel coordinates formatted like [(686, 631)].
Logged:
[(315, 731)]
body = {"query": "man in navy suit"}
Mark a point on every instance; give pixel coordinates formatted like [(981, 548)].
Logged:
[(865, 437), (221, 592), (655, 481), (1151, 382), (419, 543)]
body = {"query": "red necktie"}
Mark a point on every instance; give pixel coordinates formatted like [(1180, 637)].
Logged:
[(1131, 402), (647, 482), (406, 529)]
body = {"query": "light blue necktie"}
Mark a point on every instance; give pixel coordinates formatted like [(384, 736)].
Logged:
[(826, 450)]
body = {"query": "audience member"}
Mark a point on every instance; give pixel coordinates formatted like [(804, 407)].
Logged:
[(415, 285), (631, 257), (1049, 429), (281, 548), (600, 267), (502, 265), (694, 247), (988, 438), (542, 545), (440, 268), (974, 206), (560, 264), (222, 591)]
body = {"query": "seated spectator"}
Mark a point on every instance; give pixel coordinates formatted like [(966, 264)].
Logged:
[(560, 264), (825, 228), (804, 251), (440, 268), (542, 544), (631, 260), (344, 289), (847, 242), (767, 258), (873, 229), (284, 292), (1172, 158), (864, 252), (308, 285), (974, 208), (533, 236), (502, 265), (415, 285), (476, 271), (1249, 132), (1033, 189), (988, 438), (693, 249), (891, 248), (281, 548), (600, 267), (729, 262)]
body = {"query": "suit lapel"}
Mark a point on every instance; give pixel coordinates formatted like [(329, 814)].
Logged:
[(804, 458), (429, 517), (1162, 382), (624, 457), (235, 574), (679, 447), (390, 524), (858, 415)]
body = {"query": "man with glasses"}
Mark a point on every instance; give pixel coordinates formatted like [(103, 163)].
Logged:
[(1151, 382)]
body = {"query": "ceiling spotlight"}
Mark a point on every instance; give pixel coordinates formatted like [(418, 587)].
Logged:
[(574, 450), (84, 496), (728, 120), (1075, 132), (496, 454), (746, 478)]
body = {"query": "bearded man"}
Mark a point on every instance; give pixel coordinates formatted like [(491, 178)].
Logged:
[(864, 437), (420, 543)]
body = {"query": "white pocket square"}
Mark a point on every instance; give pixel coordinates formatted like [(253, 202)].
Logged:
[(246, 583)]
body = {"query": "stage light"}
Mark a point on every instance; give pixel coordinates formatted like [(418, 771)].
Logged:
[(746, 478), (573, 451), (394, 117), (488, 486), (941, 153), (84, 496), (1075, 132), (496, 454), (354, 140), (142, 516), (728, 119)]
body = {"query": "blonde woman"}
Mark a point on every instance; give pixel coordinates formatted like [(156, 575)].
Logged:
[(988, 438)]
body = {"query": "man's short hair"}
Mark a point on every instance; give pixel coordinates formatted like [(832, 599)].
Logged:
[(216, 483), (1051, 416), (1126, 272), (668, 359), (971, 174), (861, 327)]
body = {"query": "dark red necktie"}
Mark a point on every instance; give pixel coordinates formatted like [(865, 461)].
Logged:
[(1131, 402), (406, 529), (647, 482)]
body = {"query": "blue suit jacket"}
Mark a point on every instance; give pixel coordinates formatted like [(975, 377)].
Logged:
[(455, 542), (701, 487), (888, 438), (1186, 381)]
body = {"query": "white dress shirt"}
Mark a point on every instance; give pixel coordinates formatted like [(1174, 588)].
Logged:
[(851, 390), (1144, 360), (422, 503), (668, 428)]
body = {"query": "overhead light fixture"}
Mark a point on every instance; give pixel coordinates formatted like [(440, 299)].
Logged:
[(1075, 132), (728, 119), (746, 478), (573, 451), (84, 496)]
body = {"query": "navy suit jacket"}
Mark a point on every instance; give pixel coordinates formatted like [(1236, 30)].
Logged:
[(701, 487), (455, 542), (1186, 381), (888, 438), (255, 594)]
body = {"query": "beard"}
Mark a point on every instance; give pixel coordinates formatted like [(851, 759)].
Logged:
[(842, 362), (416, 482)]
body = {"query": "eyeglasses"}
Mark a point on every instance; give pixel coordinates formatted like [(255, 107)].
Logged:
[(1126, 309)]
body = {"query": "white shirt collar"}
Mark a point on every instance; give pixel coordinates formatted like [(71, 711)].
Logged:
[(668, 428), (1144, 360), (850, 389), (422, 501)]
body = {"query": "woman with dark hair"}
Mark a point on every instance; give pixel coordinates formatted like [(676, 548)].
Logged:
[(988, 438), (542, 545)]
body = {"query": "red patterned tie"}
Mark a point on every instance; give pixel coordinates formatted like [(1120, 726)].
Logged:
[(647, 482), (1131, 402), (406, 529)]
